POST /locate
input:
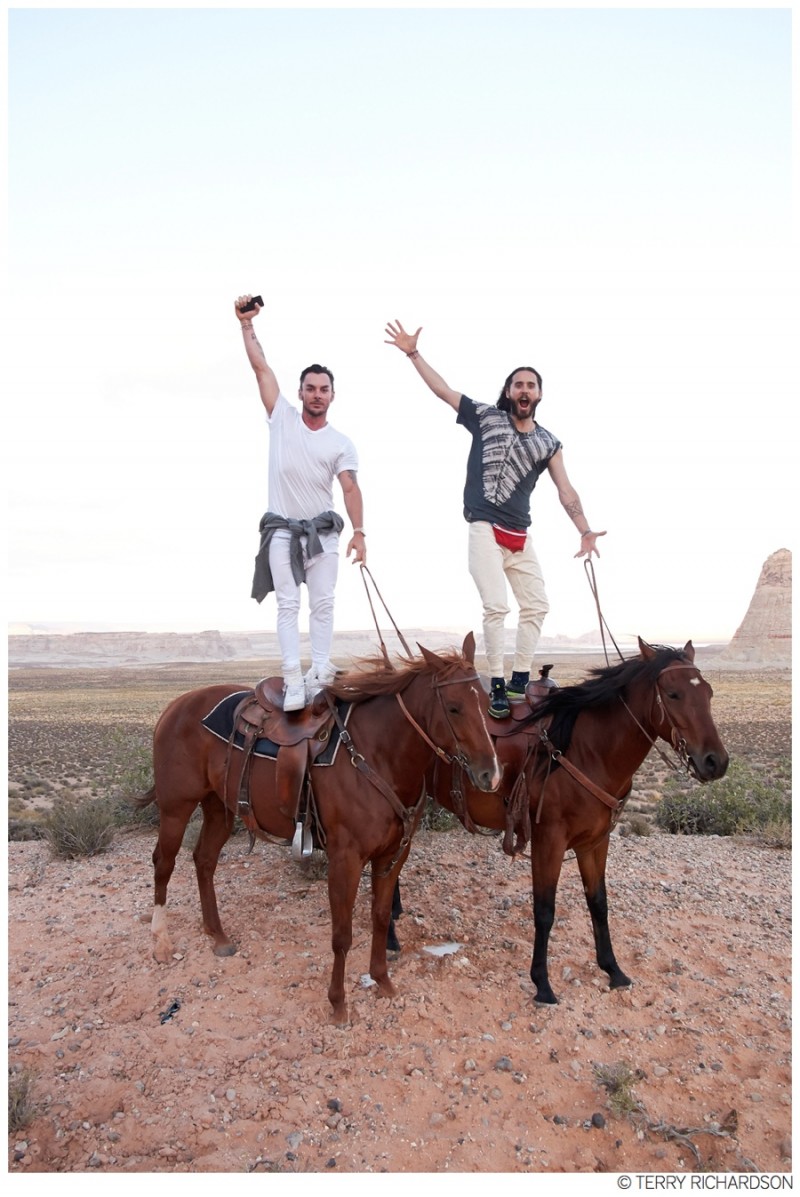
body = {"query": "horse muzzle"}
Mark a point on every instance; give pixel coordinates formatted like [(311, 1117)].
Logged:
[(487, 779), (708, 766)]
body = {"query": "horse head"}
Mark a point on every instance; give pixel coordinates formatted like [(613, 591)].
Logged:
[(682, 713), (457, 719)]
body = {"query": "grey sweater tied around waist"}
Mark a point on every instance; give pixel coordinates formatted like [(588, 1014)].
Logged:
[(328, 521)]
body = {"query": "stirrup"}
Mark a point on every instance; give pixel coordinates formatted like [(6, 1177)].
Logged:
[(302, 844)]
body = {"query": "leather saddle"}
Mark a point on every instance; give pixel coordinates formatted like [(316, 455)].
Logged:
[(300, 735)]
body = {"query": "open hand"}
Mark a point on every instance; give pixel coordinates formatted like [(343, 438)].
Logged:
[(588, 545), (397, 335)]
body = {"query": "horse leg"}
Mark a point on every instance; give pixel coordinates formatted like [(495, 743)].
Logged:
[(592, 865), (217, 827), (344, 873), (392, 942), (170, 835), (385, 900), (546, 858)]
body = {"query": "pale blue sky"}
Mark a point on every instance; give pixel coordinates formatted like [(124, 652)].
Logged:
[(603, 194)]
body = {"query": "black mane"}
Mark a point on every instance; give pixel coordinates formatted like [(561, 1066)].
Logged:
[(606, 683)]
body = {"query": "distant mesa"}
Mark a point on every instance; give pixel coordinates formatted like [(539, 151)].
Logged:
[(42, 646), (764, 636)]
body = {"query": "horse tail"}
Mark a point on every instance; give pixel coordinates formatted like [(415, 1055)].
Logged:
[(145, 799)]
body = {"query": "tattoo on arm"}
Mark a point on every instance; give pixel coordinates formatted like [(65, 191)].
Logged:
[(351, 474), (574, 509)]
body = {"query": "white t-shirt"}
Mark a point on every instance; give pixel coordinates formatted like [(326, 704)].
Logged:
[(303, 463)]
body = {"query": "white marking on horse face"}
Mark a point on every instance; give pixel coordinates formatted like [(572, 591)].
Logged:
[(694, 681)]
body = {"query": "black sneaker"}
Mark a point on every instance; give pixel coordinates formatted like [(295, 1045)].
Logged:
[(499, 706), (515, 689)]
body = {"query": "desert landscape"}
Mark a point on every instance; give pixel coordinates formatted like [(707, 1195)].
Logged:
[(233, 1065)]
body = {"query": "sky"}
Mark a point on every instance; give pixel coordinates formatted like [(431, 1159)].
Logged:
[(604, 194)]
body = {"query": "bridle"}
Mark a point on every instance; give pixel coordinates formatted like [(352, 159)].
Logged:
[(459, 757), (406, 814), (676, 737)]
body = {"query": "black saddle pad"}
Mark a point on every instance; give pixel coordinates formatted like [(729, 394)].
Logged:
[(219, 721)]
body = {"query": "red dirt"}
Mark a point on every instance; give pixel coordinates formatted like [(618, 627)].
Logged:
[(460, 1072)]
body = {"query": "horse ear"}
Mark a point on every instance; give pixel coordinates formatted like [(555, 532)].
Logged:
[(688, 650), (468, 647), (430, 657), (646, 650)]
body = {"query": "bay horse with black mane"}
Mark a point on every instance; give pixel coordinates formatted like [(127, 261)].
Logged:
[(367, 802), (568, 766)]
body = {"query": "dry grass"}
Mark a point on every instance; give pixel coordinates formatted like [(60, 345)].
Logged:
[(77, 734)]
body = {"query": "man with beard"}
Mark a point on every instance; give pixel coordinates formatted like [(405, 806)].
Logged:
[(509, 451), (300, 530)]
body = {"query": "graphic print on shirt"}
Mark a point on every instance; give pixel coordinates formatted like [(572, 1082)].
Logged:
[(509, 461)]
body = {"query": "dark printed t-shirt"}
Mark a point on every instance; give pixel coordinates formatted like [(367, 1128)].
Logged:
[(503, 465)]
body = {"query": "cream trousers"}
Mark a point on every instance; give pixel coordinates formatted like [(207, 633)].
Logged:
[(492, 567)]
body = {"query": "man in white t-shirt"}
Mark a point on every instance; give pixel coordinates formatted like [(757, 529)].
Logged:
[(300, 529)]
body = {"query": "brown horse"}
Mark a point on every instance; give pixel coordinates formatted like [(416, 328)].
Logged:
[(567, 790), (400, 719)]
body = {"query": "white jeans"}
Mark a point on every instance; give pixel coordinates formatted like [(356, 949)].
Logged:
[(490, 566), (321, 573)]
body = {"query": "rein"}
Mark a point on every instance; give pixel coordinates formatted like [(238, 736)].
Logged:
[(588, 567), (458, 758), (364, 575), (408, 815), (676, 739)]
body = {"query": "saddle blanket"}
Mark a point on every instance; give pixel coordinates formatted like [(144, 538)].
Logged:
[(219, 721)]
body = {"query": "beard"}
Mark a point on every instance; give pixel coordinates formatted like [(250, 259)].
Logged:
[(525, 413)]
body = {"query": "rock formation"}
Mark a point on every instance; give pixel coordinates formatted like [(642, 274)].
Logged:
[(764, 636)]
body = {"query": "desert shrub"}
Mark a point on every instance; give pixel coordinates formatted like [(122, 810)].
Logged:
[(436, 818), (25, 829), (636, 824), (618, 1081), (746, 801), (130, 774), (130, 763), (83, 828), (21, 1106)]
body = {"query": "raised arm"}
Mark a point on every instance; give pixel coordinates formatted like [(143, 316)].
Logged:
[(267, 382), (354, 506), (407, 343), (570, 501)]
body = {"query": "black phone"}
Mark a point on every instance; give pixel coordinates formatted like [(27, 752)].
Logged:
[(251, 306)]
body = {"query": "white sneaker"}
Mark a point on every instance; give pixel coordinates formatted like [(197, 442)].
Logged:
[(316, 679), (294, 693)]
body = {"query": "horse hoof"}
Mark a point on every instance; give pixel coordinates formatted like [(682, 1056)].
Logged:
[(225, 949), (621, 982), (546, 999)]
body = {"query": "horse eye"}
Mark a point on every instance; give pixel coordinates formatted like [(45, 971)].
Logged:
[(674, 696), (454, 709)]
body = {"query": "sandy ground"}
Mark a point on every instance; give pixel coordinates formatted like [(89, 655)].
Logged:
[(461, 1072)]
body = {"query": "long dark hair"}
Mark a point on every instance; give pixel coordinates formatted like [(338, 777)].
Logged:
[(504, 403)]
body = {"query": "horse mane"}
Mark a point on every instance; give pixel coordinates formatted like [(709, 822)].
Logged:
[(372, 677), (605, 684)]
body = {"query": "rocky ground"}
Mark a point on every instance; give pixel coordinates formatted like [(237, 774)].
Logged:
[(461, 1072)]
